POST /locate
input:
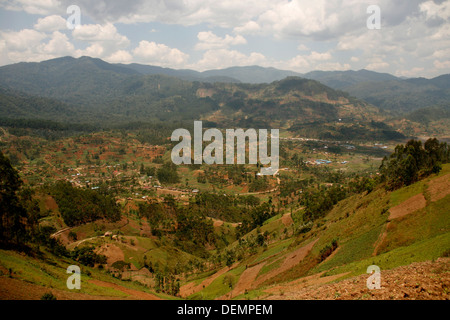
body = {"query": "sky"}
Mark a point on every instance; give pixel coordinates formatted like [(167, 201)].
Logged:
[(412, 38)]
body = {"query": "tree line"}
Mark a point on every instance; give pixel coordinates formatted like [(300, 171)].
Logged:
[(413, 161)]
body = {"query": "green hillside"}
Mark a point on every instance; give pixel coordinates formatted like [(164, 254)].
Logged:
[(365, 233), (89, 92)]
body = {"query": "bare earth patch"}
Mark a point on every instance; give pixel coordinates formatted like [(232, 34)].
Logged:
[(409, 206), (309, 282), (420, 280), (14, 289), (112, 252), (439, 187), (191, 288), (245, 281), (50, 203), (290, 261), (287, 219), (134, 294)]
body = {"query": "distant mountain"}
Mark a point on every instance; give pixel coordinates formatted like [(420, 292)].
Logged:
[(253, 74), (344, 79), (430, 114), (14, 105), (441, 82), (387, 91), (91, 91), (189, 75), (250, 74), (79, 79)]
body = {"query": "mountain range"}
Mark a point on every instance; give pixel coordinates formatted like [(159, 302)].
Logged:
[(383, 90), (89, 90)]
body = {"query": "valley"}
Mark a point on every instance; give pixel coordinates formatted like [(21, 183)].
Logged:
[(89, 181)]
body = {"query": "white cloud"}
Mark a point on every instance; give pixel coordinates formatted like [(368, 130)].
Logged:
[(95, 50), (414, 35), (332, 66), (313, 61), (442, 54), (159, 54), (208, 40), (442, 64), (22, 40), (224, 13), (302, 47), (409, 73), (378, 64), (50, 23), (104, 40), (42, 7), (298, 63), (250, 27), (59, 45), (31, 45), (100, 33), (317, 56), (224, 58), (434, 10), (120, 56)]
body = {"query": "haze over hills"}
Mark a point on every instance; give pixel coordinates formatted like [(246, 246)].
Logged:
[(90, 141), (383, 90), (89, 90), (343, 79)]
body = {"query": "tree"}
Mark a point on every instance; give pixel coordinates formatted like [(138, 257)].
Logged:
[(412, 162), (13, 216), (168, 173)]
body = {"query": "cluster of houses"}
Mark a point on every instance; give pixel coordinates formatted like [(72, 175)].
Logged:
[(318, 162)]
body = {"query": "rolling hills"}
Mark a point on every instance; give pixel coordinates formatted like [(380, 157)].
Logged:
[(387, 229), (386, 91), (91, 91), (89, 142)]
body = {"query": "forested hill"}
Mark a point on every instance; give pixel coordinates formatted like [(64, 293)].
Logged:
[(387, 91), (87, 90)]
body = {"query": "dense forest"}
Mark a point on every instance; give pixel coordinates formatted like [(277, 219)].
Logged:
[(101, 96), (413, 161), (79, 206)]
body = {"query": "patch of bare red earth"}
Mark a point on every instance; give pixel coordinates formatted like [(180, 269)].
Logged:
[(246, 281), (290, 261), (439, 187), (249, 278), (287, 219), (14, 289), (133, 294), (409, 206), (429, 280), (192, 288)]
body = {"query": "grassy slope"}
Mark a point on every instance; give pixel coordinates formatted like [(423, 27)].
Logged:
[(358, 224), (50, 272)]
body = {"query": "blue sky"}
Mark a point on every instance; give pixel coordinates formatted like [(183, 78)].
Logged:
[(413, 39)]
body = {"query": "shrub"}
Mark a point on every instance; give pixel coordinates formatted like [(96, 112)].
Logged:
[(72, 236), (120, 265), (87, 256), (328, 250), (48, 296)]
